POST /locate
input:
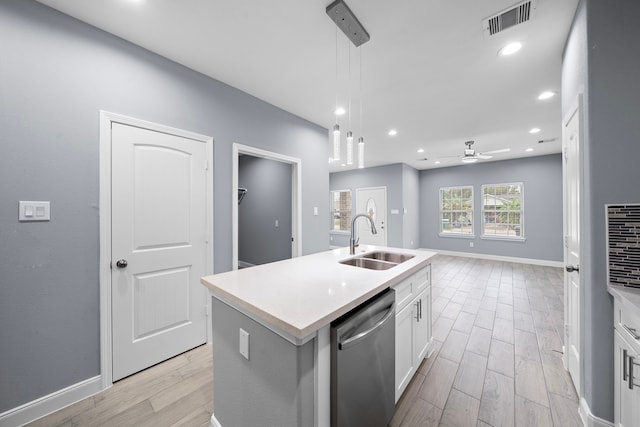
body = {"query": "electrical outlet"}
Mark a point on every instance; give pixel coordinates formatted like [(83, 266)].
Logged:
[(470, 244), (244, 343)]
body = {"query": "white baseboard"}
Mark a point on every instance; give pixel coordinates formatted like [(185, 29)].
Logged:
[(214, 421), (542, 262), (590, 420), (51, 403)]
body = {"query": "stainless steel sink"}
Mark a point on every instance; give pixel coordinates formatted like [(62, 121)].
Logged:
[(371, 264), (388, 256)]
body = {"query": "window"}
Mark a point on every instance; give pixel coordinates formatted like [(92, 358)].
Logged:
[(502, 210), (456, 211), (341, 210)]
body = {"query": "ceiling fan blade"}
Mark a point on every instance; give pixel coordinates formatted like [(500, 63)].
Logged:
[(482, 156), (502, 150), (448, 157)]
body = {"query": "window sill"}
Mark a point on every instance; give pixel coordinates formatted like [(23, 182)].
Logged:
[(457, 235), (505, 239)]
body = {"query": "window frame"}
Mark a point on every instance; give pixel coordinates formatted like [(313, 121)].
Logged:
[(520, 235), (332, 210), (441, 211)]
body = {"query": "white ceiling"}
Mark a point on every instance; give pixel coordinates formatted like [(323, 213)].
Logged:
[(428, 71)]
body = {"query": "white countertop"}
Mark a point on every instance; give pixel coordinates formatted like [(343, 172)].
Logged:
[(629, 297), (301, 295)]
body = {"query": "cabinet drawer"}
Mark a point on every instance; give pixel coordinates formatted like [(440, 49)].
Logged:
[(422, 279), (404, 293), (627, 323)]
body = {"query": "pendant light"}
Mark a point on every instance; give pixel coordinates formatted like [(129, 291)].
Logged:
[(361, 139), (336, 127), (344, 18)]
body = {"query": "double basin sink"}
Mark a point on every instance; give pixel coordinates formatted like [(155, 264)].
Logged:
[(378, 260)]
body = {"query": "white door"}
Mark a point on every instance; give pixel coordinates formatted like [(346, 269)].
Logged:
[(373, 202), (159, 247), (572, 178)]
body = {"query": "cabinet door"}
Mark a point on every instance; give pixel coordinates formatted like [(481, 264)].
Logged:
[(627, 371), (421, 326), (404, 349)]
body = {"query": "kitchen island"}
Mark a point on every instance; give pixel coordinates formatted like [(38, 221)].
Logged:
[(270, 336)]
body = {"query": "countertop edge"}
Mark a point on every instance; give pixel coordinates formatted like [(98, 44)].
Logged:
[(629, 297), (302, 334)]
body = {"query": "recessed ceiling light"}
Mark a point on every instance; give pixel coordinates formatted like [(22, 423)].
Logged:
[(339, 111), (437, 162), (343, 165), (534, 130), (510, 49), (393, 132), (421, 150), (528, 150), (546, 95)]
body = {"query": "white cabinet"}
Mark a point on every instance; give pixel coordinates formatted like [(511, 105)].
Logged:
[(413, 326), (626, 367)]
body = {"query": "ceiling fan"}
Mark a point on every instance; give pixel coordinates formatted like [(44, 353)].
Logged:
[(470, 155)]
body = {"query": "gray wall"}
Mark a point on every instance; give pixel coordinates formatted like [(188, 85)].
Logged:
[(382, 176), (275, 387), (56, 74), (268, 199), (542, 178), (601, 59), (411, 215)]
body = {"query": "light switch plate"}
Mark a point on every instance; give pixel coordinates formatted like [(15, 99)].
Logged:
[(244, 343), (34, 211)]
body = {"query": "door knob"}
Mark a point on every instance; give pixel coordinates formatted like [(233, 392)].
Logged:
[(571, 268), (121, 263)]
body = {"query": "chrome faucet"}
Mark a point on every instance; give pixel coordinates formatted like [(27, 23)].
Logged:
[(352, 240)]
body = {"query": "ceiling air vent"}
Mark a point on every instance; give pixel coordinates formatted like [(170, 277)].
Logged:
[(521, 12)]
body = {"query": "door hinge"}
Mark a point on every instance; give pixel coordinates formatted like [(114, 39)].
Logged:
[(207, 310), (206, 165), (566, 330)]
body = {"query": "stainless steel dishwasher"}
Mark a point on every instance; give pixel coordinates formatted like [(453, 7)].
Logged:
[(363, 364)]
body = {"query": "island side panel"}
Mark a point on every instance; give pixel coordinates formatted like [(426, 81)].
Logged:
[(275, 387)]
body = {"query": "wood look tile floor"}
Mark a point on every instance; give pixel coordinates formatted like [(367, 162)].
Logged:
[(496, 361)]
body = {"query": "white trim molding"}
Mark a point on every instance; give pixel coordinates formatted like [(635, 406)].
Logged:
[(543, 262), (214, 422), (50, 403), (590, 420), (296, 196)]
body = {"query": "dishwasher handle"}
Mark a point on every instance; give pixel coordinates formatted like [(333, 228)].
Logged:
[(354, 339)]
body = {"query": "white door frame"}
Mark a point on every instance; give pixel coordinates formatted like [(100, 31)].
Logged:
[(296, 196), (106, 119), (576, 108)]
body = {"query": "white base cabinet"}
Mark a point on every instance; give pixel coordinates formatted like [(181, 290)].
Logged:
[(626, 367), (413, 326)]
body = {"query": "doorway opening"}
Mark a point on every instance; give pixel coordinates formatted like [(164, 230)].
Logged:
[(266, 224)]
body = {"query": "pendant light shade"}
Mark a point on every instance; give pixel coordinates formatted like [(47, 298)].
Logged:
[(349, 148), (361, 152), (336, 142)]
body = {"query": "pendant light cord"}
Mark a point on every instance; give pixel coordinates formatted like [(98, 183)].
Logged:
[(349, 53), (361, 94), (336, 81)]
